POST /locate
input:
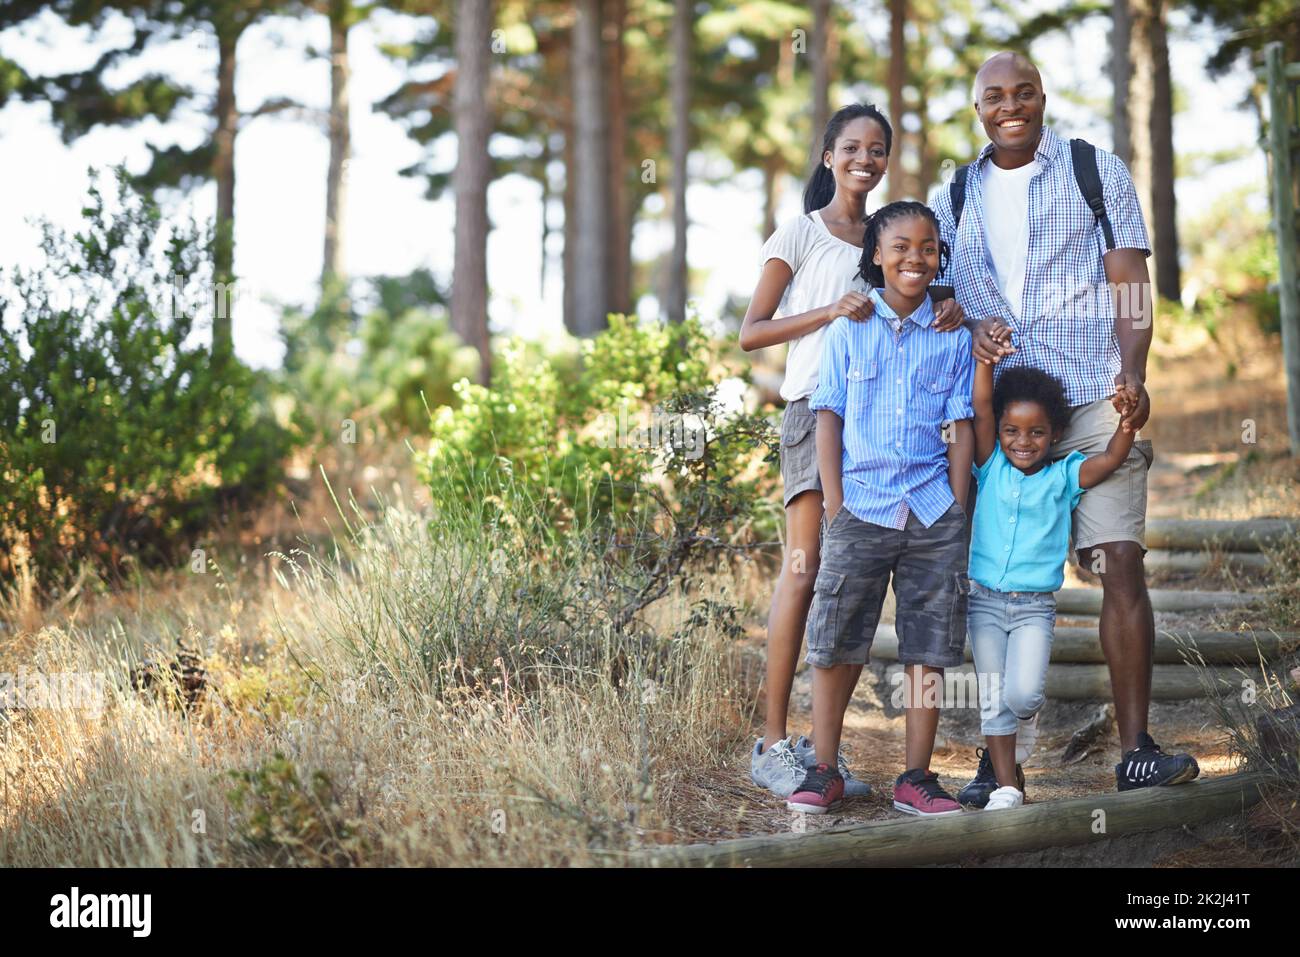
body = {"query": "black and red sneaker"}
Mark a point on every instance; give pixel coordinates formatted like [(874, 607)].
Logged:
[(822, 790), (1147, 766)]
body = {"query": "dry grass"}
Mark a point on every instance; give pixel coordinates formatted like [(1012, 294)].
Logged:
[(400, 746)]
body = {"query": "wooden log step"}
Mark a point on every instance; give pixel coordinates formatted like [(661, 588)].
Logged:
[(1234, 536), (1082, 645), (975, 834), (1087, 601), (1072, 682), (1198, 562)]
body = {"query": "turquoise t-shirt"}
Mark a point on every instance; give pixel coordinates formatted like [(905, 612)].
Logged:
[(1021, 531)]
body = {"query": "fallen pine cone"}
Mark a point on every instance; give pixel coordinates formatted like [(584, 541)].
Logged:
[(184, 671)]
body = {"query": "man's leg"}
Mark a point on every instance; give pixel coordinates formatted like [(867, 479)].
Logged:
[(1128, 632)]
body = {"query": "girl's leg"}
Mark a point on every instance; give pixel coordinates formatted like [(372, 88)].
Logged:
[(790, 602), (1029, 652), (990, 641)]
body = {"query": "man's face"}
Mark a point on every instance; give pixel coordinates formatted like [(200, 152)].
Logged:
[(1009, 99)]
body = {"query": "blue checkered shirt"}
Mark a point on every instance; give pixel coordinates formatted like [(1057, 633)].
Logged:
[(1067, 321), (894, 383)]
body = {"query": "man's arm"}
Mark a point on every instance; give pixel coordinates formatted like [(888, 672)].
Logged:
[(1127, 275)]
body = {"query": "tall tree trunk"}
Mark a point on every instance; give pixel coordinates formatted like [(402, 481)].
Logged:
[(1164, 213), (223, 171), (771, 193), (680, 148), (619, 242), (473, 121), (897, 79), (1121, 75), (590, 170), (333, 270), (1141, 97), (545, 181), (819, 60)]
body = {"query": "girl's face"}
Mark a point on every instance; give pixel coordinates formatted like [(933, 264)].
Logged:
[(1026, 436), (859, 159), (907, 252)]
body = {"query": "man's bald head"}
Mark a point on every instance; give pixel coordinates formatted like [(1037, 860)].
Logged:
[(1006, 62)]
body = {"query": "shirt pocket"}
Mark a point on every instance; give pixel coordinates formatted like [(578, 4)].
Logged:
[(932, 388), (861, 384)]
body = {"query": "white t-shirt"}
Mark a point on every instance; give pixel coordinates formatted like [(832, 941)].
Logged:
[(1006, 225), (824, 268)]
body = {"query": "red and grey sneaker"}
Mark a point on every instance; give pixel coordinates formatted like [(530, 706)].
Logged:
[(918, 792), (822, 790), (1148, 766)]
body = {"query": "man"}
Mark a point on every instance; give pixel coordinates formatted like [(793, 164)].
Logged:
[(1030, 251)]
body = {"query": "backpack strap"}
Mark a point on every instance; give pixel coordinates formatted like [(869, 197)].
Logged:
[(1083, 156), (957, 193)]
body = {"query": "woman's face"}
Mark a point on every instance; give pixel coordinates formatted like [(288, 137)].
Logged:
[(859, 159), (908, 254)]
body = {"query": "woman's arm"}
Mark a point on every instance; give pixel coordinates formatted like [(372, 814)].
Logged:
[(759, 329)]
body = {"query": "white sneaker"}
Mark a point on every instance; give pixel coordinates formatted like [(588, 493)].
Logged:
[(1026, 737), (1004, 798)]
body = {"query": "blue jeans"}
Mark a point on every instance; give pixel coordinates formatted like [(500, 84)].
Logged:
[(1011, 641)]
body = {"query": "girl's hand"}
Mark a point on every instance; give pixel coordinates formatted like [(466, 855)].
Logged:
[(948, 315), (991, 341), (852, 304)]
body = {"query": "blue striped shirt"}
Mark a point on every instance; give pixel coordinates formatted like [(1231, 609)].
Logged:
[(894, 384), (1067, 321)]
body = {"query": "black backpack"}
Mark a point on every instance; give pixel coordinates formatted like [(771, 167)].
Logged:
[(1084, 157)]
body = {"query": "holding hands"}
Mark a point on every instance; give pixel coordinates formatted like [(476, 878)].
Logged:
[(1131, 401), (991, 341)]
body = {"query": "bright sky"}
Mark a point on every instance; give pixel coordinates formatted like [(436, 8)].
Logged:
[(391, 229)]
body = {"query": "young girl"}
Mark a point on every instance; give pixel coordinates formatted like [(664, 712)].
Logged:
[(1020, 537), (895, 482)]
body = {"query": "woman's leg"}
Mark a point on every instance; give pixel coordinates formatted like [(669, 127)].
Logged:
[(790, 602)]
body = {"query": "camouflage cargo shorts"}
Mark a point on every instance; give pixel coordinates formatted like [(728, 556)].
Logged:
[(928, 566)]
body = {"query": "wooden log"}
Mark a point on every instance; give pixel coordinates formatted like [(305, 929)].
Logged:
[(975, 834), (1079, 682), (1195, 534), (1087, 601), (1082, 645), (1198, 562)]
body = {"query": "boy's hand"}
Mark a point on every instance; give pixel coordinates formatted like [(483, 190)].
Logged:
[(991, 341), (832, 508), (948, 315), (852, 304)]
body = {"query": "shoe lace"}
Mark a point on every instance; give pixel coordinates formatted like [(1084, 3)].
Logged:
[(930, 787), (790, 762), (842, 764)]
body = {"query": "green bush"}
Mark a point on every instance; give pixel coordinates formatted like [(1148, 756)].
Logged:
[(117, 432)]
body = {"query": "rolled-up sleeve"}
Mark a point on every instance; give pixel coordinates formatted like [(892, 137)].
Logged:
[(958, 406), (832, 380), (1122, 207)]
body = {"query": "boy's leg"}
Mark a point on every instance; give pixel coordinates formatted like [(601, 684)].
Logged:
[(790, 603), (847, 597), (931, 589)]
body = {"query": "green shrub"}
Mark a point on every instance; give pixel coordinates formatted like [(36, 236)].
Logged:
[(117, 432)]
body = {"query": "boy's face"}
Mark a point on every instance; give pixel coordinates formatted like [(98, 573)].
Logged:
[(1025, 434), (859, 160), (908, 255)]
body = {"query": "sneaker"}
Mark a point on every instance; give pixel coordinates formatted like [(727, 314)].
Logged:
[(777, 768), (821, 791), (1026, 737), (918, 792), (1004, 798), (1147, 766), (853, 788), (985, 782)]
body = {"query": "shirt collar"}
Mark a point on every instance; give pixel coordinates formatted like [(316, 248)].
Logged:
[(1049, 145), (923, 315)]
